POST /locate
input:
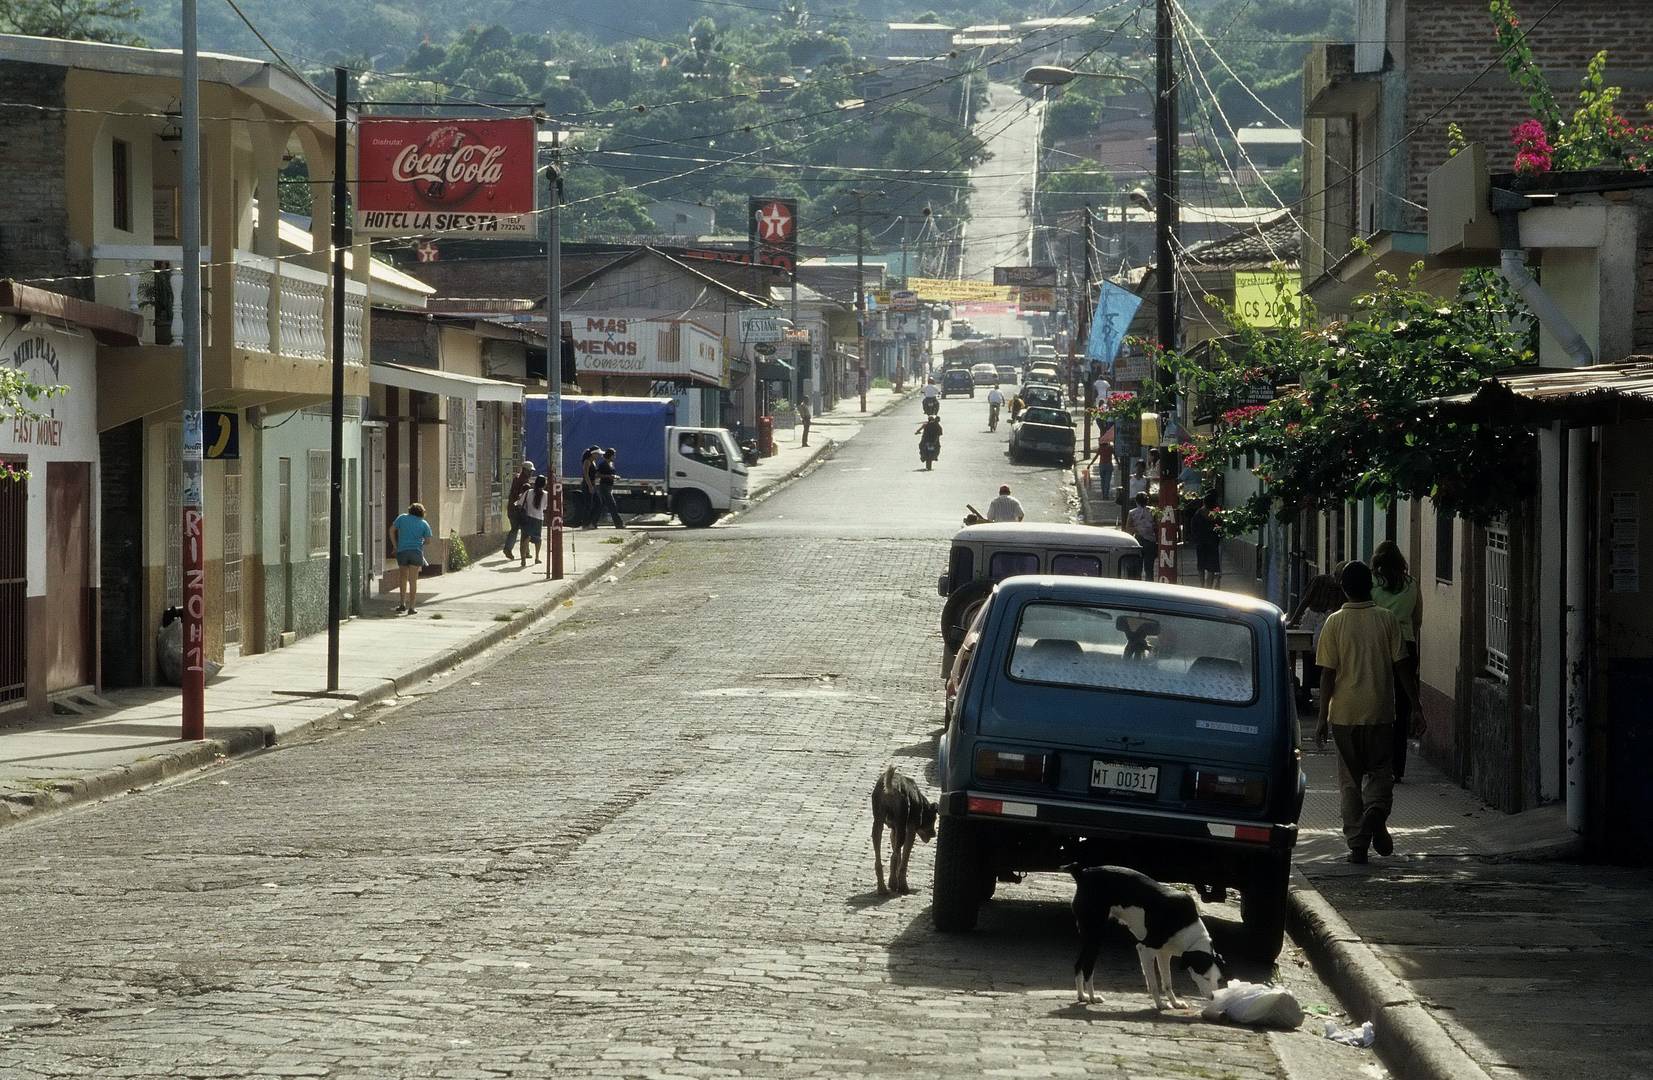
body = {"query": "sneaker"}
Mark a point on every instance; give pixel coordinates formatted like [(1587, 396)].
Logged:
[(413, 611), (401, 608), (1375, 824), (1357, 856)]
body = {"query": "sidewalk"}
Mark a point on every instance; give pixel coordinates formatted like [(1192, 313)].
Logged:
[(1476, 950), (125, 739), (1096, 506)]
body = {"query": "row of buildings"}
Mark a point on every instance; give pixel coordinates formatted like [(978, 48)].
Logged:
[(443, 341), (1536, 646)]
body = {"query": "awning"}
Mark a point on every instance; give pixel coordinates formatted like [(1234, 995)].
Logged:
[(1581, 396), (774, 370), (109, 325), (471, 388)]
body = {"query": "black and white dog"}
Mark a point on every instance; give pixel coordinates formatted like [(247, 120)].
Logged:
[(1164, 921), (898, 803)]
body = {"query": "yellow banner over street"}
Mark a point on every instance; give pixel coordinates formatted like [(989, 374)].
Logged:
[(949, 292)]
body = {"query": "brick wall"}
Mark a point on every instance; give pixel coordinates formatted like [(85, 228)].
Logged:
[(34, 229), (1449, 42)]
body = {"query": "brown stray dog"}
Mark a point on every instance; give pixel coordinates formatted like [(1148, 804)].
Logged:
[(898, 803)]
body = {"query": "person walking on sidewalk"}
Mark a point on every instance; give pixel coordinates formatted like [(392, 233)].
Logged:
[(588, 486), (408, 534), (1104, 462), (513, 513), (1142, 525), (605, 487), (1361, 659), (1006, 507), (1321, 597), (531, 504), (1396, 591), (803, 418), (1208, 542)]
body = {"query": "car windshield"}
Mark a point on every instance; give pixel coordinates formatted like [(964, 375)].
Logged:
[(1054, 417), (1042, 395), (1137, 650)]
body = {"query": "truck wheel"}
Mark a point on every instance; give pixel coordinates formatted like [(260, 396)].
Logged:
[(1263, 909), (955, 893), (694, 510)]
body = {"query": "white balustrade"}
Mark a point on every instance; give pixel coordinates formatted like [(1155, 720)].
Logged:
[(355, 313), (254, 286), (303, 317)]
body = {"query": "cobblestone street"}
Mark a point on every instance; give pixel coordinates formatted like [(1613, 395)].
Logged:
[(635, 843)]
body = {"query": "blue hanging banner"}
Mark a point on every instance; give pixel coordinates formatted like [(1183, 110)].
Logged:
[(1115, 307)]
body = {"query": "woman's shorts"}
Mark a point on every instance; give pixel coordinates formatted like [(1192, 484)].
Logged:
[(531, 529), (410, 558)]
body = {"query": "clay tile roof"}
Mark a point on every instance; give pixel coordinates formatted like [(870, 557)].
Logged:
[(1258, 247)]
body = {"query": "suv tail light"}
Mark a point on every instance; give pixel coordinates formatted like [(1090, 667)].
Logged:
[(1011, 765), (1215, 787)]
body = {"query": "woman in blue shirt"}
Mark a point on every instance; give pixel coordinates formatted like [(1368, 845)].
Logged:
[(408, 534)]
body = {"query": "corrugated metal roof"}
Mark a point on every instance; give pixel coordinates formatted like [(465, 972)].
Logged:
[(1600, 393)]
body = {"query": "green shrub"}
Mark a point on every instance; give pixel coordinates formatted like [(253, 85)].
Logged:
[(458, 556)]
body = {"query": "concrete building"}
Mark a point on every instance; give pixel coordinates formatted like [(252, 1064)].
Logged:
[(94, 171), (53, 553)]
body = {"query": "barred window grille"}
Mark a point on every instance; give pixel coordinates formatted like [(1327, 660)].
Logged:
[(458, 420), (1498, 602), (320, 505)]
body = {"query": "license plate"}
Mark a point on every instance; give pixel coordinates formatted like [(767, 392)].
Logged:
[(1119, 776)]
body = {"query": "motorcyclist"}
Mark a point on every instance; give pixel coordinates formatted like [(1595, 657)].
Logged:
[(931, 394), (995, 400), (929, 438)]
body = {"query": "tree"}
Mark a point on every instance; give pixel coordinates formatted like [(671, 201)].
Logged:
[(18, 393), (1349, 411), (78, 20)]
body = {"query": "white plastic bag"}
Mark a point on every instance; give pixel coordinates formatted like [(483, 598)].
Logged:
[(1255, 1004), (1362, 1036)]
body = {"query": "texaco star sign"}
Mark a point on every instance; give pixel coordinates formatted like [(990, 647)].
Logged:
[(775, 224)]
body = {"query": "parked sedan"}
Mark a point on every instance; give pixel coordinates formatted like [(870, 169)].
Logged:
[(1042, 394), (1042, 432), (984, 374)]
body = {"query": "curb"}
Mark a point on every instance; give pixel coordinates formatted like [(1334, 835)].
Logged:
[(225, 743), (1411, 1042), (1085, 504)]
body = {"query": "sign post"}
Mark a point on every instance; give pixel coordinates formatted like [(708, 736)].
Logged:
[(193, 536)]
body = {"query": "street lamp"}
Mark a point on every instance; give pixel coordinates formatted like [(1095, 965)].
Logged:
[(1054, 75)]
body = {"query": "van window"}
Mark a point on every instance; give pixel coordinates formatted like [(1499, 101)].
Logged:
[(963, 568), (1136, 650), (1076, 565), (1129, 566), (1005, 564)]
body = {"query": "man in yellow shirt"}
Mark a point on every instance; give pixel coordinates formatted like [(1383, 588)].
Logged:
[(1361, 657)]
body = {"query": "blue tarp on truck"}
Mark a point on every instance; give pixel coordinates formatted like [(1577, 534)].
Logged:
[(635, 427)]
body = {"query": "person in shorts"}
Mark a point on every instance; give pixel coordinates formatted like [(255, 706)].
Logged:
[(408, 534), (532, 506)]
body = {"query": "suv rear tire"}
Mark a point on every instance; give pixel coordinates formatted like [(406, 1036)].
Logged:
[(1263, 909), (956, 892)]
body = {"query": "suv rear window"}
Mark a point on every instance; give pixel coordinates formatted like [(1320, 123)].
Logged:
[(1005, 564), (1145, 652)]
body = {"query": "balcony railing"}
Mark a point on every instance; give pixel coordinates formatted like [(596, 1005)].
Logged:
[(280, 307)]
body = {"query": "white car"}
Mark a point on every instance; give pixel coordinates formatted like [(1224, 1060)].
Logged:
[(984, 375)]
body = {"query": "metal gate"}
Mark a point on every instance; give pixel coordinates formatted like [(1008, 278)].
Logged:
[(14, 518), (232, 552)]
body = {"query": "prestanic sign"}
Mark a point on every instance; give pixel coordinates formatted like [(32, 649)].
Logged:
[(465, 177), (760, 325)]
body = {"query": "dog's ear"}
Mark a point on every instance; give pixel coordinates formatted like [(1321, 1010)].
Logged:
[(1201, 961)]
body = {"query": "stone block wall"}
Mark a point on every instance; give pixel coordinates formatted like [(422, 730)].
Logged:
[(34, 230)]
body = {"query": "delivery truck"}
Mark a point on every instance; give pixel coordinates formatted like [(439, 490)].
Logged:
[(693, 473)]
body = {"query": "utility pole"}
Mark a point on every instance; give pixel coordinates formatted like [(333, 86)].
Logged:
[(1084, 325), (341, 240), (194, 664), (1165, 231), (861, 296), (901, 372), (553, 358)]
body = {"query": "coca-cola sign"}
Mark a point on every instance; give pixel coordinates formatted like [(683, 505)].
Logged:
[(421, 177)]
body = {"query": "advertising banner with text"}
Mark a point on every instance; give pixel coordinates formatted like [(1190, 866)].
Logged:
[(646, 348), (948, 291), (449, 177)]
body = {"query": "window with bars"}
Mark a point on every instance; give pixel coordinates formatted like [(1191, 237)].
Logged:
[(459, 419), (1498, 602), (1443, 545), (320, 501)]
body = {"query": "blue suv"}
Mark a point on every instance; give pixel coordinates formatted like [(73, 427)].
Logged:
[(1129, 723)]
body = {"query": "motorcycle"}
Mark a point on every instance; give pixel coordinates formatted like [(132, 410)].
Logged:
[(932, 406), (928, 451)]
